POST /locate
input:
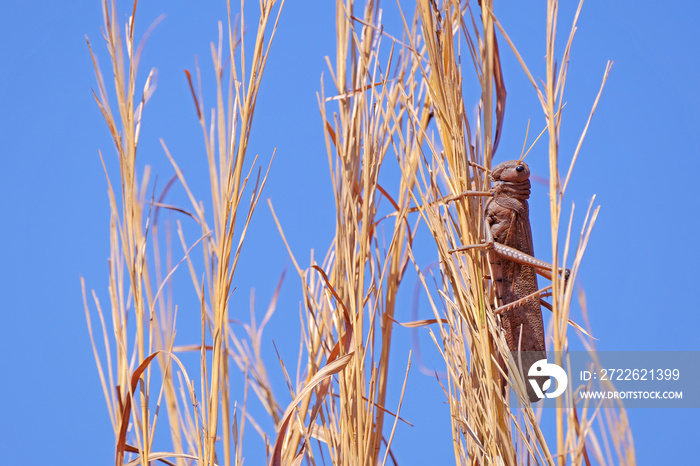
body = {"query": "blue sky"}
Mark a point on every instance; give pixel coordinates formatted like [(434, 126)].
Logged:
[(639, 272)]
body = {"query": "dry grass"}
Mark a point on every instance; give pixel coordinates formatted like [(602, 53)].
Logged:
[(396, 104), (196, 409)]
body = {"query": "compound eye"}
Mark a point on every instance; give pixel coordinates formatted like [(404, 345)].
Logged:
[(519, 168)]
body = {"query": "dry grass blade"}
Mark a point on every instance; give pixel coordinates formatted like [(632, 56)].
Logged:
[(330, 369)]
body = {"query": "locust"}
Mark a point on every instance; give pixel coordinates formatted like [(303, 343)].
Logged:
[(514, 267)]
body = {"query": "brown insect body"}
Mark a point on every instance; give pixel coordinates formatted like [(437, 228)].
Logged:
[(507, 214)]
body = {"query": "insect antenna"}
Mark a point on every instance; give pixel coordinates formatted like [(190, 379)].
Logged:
[(523, 155)]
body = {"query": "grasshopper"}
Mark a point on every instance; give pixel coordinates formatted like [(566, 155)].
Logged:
[(510, 253)]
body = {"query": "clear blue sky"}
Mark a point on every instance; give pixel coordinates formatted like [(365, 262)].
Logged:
[(639, 274)]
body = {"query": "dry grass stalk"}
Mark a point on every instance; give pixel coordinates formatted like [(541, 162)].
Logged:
[(342, 306), (135, 250), (350, 298)]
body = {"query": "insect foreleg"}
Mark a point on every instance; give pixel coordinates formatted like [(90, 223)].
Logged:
[(447, 199)]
